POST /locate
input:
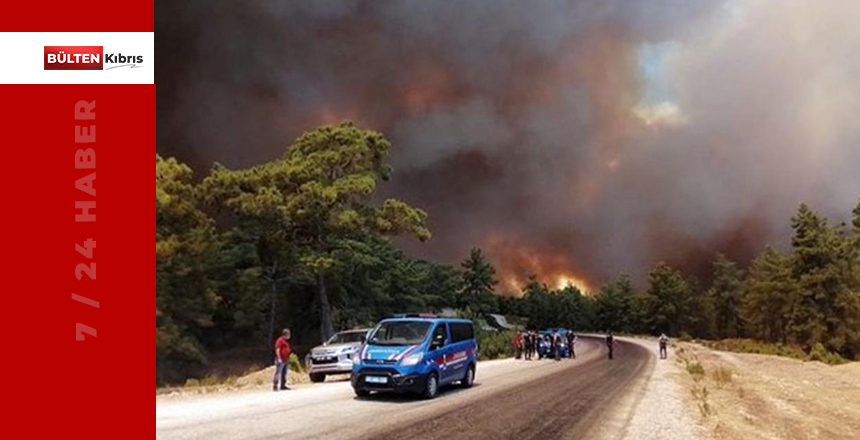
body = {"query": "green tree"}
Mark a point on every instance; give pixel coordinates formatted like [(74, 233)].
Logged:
[(667, 302), (768, 295), (184, 300), (479, 283), (725, 294), (311, 205), (615, 306), (539, 305), (825, 310)]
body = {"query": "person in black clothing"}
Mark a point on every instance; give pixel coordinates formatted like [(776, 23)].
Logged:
[(571, 338), (664, 342), (556, 342), (610, 344), (528, 345)]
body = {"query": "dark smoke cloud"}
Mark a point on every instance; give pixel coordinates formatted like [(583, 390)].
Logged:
[(533, 128)]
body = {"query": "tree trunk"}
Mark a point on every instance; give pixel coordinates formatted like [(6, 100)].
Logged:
[(326, 327)]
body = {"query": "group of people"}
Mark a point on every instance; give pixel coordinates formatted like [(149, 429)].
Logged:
[(527, 344), (531, 344)]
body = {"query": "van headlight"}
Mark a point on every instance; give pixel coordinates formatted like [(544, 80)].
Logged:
[(412, 359)]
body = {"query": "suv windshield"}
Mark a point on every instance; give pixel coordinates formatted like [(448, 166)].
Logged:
[(400, 333), (346, 338)]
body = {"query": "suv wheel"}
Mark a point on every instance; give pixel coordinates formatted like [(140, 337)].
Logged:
[(361, 393), (431, 387), (317, 377), (469, 379)]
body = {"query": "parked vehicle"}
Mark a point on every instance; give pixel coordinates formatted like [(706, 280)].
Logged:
[(334, 356), (544, 345), (418, 354)]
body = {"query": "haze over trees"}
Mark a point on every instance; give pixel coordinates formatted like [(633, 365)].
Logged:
[(304, 241)]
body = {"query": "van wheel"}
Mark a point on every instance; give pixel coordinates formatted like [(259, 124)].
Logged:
[(469, 378), (361, 393), (431, 386), (317, 377)]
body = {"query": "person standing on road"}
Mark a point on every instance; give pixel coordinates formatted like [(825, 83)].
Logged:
[(518, 345), (528, 345), (610, 344), (282, 361), (556, 342), (571, 342), (664, 342)]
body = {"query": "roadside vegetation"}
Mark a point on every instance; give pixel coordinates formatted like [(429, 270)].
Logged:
[(305, 241), (817, 353)]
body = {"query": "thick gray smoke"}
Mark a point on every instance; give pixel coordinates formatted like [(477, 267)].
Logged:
[(572, 139)]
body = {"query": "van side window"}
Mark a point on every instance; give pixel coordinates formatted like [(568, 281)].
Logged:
[(461, 332), (441, 330)]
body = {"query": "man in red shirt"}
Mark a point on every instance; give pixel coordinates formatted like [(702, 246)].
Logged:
[(282, 361)]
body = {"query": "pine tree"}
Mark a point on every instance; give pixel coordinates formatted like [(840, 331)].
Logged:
[(667, 301), (823, 312), (479, 283), (725, 294), (184, 300), (769, 293), (615, 306)]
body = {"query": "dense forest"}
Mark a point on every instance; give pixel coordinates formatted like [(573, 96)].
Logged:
[(304, 241)]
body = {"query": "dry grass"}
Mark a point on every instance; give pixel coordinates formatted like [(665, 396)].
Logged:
[(722, 376), (740, 396)]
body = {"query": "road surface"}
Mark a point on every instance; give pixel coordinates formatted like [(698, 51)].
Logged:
[(511, 400)]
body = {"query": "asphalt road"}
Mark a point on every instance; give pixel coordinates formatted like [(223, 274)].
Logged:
[(511, 400)]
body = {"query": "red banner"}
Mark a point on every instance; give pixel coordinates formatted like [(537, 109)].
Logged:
[(76, 279)]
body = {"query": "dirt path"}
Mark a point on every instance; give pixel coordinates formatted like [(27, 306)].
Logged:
[(512, 399)]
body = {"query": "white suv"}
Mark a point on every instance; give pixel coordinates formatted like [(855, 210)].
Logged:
[(335, 355)]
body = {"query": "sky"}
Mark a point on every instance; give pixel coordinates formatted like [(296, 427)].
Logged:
[(576, 140)]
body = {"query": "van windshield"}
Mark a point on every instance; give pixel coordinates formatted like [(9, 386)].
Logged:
[(400, 333)]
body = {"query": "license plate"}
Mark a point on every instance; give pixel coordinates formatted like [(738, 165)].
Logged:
[(376, 379)]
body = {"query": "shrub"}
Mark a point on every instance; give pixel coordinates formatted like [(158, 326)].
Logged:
[(495, 345), (820, 354), (696, 369), (296, 364), (757, 347)]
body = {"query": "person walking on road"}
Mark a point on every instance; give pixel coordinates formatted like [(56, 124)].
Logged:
[(610, 344), (664, 342), (282, 361)]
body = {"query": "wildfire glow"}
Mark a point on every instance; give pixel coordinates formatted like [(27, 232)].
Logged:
[(565, 280), (516, 263)]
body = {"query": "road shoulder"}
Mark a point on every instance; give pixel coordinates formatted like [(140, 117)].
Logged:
[(655, 407)]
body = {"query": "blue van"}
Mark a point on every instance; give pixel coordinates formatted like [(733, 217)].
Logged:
[(416, 353)]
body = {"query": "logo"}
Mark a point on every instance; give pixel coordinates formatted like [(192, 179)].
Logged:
[(73, 57), (87, 58)]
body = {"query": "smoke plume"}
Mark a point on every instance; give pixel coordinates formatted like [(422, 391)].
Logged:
[(575, 139)]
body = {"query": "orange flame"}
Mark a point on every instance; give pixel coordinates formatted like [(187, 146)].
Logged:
[(515, 262)]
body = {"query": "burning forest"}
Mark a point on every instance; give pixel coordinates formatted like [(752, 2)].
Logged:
[(575, 140)]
